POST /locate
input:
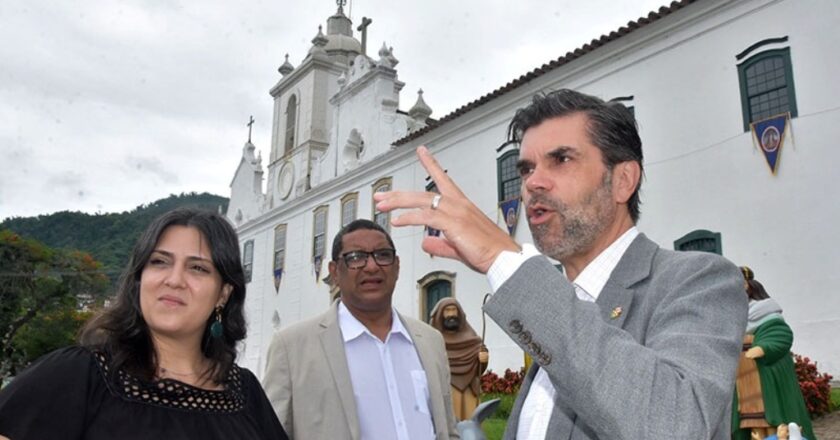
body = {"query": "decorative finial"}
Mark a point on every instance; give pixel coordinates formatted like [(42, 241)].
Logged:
[(420, 111), (287, 67), (341, 4), (320, 39)]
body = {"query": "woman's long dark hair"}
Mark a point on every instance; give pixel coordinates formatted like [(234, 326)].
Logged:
[(122, 332)]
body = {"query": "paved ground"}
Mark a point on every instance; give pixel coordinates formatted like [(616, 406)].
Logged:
[(828, 427)]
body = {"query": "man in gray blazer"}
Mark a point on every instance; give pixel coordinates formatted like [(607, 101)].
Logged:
[(361, 370), (633, 341)]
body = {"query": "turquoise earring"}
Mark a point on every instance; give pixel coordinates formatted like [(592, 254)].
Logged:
[(216, 328)]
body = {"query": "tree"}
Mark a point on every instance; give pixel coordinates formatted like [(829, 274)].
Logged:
[(107, 237), (36, 280), (49, 330)]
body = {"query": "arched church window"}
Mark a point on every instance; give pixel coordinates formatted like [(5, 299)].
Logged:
[(766, 81), (248, 259), (509, 180), (434, 287), (291, 117), (279, 254), (349, 205), (319, 236), (381, 218)]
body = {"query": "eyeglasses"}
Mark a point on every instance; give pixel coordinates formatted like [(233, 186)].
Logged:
[(358, 259)]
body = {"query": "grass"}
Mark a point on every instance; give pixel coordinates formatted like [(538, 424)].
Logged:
[(835, 399), (494, 427)]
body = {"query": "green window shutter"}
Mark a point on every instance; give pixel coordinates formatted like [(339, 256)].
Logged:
[(700, 240), (508, 176), (435, 292)]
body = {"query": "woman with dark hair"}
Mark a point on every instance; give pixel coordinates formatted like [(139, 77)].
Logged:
[(767, 389), (159, 362)]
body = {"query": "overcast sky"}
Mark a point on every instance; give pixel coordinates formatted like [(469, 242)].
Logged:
[(106, 105)]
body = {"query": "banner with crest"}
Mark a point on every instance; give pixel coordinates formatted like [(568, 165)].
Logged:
[(278, 274), (316, 266), (770, 135), (509, 210)]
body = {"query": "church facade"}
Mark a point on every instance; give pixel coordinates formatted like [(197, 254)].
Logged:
[(736, 103)]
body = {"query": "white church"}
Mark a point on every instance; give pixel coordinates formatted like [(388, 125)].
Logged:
[(696, 73)]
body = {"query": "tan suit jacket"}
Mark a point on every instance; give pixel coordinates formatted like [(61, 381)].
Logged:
[(308, 382)]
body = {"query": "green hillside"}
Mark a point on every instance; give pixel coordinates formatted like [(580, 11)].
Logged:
[(107, 237)]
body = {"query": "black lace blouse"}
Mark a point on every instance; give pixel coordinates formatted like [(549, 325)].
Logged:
[(68, 394)]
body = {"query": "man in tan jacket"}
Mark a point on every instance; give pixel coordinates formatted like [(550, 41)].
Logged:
[(361, 370)]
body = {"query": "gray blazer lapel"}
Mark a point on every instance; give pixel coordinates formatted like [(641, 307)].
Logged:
[(426, 354), (333, 346), (614, 303), (616, 298)]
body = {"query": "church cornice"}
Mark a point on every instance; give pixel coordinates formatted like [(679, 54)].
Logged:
[(360, 83), (308, 65), (316, 196)]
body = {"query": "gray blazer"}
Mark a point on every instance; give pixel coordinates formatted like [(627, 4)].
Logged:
[(308, 382), (654, 358)]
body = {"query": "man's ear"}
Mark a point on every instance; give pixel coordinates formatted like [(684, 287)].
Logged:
[(333, 268), (625, 180)]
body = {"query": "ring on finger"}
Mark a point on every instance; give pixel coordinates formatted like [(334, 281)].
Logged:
[(436, 201)]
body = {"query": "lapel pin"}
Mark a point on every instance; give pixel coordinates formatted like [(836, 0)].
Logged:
[(616, 312)]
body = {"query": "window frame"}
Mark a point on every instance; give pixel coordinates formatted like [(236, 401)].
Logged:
[(500, 182), (348, 198), (281, 227), (248, 260), (429, 280), (379, 186), (323, 209), (700, 235), (784, 54), (290, 135)]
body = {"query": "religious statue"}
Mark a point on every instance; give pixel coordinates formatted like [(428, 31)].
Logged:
[(790, 431), (468, 357), (767, 392)]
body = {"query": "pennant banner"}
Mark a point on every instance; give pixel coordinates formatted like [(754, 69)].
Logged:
[(770, 135), (278, 273), (510, 212), (317, 263)]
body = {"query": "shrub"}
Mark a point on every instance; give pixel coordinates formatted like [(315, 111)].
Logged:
[(815, 386)]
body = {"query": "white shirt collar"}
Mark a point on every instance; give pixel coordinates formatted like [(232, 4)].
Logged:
[(595, 275), (352, 328)]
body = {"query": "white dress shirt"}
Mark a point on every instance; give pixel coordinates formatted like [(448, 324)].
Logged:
[(389, 383), (539, 403)]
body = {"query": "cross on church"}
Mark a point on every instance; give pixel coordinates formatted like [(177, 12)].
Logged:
[(363, 29), (250, 124)]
